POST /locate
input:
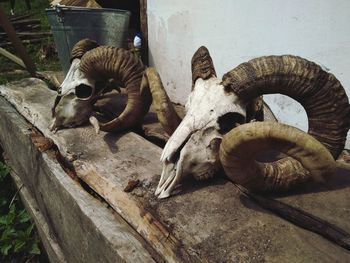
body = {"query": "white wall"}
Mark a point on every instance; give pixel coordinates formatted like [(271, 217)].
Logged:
[(235, 31)]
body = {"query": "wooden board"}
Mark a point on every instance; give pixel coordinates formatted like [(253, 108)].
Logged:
[(74, 226), (206, 221)]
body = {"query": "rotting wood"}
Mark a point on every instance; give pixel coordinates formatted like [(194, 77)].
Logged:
[(20, 17), (212, 219), (84, 229), (26, 36), (51, 246), (24, 42), (154, 231), (22, 22)]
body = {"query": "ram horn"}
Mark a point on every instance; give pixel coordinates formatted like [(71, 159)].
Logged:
[(319, 92), (202, 65), (325, 103), (103, 63), (308, 157), (81, 47), (167, 116)]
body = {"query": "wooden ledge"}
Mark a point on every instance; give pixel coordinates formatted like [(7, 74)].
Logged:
[(206, 222)]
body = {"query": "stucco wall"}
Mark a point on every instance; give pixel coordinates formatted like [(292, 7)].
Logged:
[(235, 31)]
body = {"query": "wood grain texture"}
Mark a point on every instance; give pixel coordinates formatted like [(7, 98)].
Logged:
[(81, 227)]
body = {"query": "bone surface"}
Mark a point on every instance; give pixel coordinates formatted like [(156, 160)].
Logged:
[(212, 102), (102, 65), (190, 150)]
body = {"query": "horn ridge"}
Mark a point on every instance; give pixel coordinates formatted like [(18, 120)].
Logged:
[(319, 92), (308, 158), (166, 113), (81, 47), (106, 62), (202, 65)]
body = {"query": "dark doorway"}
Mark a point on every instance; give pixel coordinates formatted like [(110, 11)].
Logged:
[(131, 5), (138, 19)]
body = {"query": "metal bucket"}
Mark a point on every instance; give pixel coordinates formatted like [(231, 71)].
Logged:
[(71, 24)]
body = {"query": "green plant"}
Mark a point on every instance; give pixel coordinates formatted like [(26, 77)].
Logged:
[(7, 67), (18, 240)]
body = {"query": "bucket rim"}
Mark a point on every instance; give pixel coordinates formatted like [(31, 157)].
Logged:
[(80, 9)]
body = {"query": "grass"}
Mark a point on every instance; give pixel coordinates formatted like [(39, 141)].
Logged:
[(8, 67), (19, 241)]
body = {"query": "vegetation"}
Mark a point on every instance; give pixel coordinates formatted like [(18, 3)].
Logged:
[(8, 68), (19, 241)]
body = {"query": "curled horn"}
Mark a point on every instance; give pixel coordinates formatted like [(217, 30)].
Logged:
[(319, 92), (166, 113), (81, 47), (202, 65), (308, 157), (105, 62)]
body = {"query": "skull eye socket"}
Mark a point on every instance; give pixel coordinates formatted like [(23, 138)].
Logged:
[(83, 91), (229, 121)]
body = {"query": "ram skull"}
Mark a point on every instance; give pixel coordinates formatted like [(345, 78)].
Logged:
[(94, 69), (216, 132)]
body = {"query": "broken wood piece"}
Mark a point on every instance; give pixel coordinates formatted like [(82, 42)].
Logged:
[(42, 143), (27, 35), (24, 42), (132, 184), (73, 225), (18, 23), (20, 17), (12, 57)]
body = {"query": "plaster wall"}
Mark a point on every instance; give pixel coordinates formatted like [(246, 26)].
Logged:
[(235, 31)]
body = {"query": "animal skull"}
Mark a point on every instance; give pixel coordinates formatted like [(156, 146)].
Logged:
[(73, 104), (194, 146), (95, 70), (210, 135)]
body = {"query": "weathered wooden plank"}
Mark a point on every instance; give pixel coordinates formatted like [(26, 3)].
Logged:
[(52, 248), (208, 221), (84, 229), (328, 200)]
